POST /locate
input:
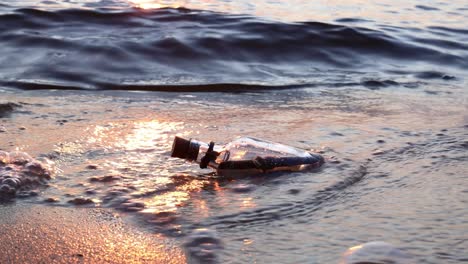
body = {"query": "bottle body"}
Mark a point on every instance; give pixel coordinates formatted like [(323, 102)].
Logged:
[(248, 155)]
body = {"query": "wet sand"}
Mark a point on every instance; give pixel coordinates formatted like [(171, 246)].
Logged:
[(44, 234)]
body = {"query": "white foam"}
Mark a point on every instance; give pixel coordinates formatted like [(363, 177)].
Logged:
[(20, 172)]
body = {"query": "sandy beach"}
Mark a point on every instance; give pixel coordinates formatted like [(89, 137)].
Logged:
[(34, 233)]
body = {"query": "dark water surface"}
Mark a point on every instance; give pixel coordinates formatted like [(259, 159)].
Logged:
[(115, 45), (378, 87)]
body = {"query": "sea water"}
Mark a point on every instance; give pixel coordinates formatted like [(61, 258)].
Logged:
[(378, 87)]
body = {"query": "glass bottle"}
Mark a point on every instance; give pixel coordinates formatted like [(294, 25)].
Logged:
[(245, 155)]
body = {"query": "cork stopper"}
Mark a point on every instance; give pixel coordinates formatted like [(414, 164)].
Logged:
[(184, 149)]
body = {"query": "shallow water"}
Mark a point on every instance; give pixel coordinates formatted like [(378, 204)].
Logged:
[(390, 175), (378, 88)]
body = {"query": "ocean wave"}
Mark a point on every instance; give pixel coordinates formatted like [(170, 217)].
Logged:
[(372, 84), (173, 47)]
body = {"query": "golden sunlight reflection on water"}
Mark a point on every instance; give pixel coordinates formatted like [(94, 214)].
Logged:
[(248, 202), (153, 4), (140, 150), (148, 135), (303, 10), (170, 201), (142, 141), (148, 180)]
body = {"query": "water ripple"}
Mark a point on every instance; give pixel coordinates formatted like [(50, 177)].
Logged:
[(121, 48)]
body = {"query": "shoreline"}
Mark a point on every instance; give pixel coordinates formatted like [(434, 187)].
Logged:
[(128, 135)]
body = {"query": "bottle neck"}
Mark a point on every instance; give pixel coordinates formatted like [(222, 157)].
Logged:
[(203, 151)]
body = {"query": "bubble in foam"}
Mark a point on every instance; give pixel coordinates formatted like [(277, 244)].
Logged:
[(375, 253), (37, 168), (4, 157), (6, 189), (19, 172), (20, 158), (202, 246), (12, 182)]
